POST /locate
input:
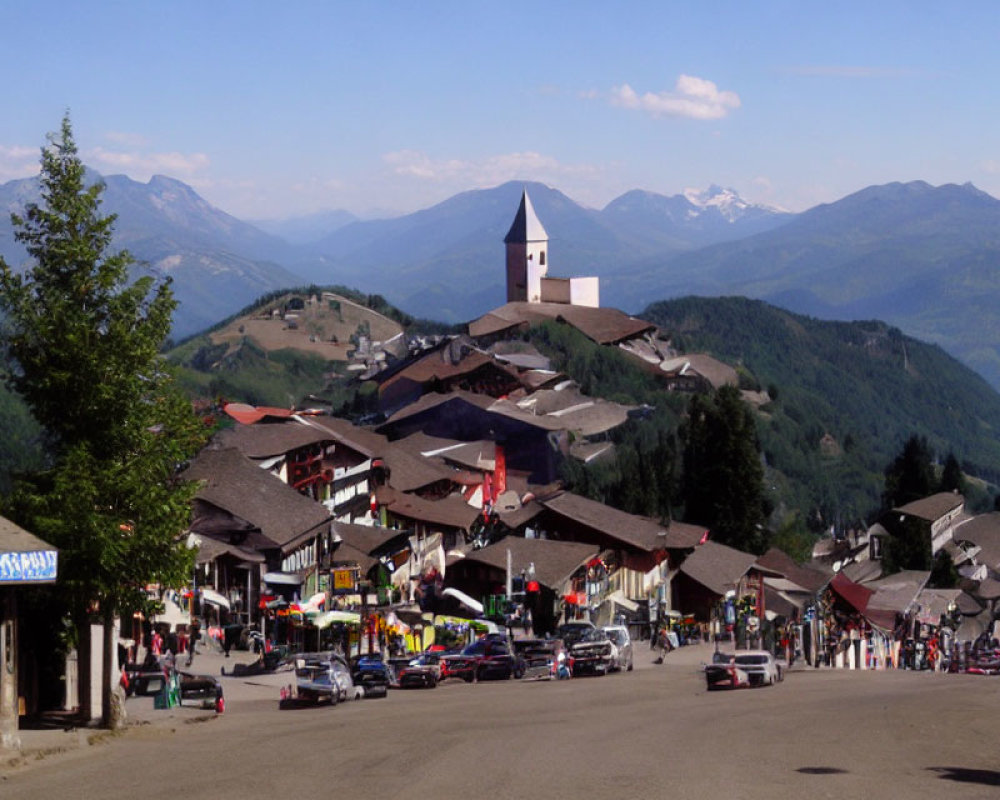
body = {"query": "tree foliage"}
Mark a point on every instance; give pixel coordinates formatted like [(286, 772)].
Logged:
[(723, 475), (85, 345), (910, 476)]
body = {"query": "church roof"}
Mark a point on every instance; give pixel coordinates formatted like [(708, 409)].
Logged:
[(526, 226)]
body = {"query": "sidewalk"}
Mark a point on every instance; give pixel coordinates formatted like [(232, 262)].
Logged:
[(60, 732)]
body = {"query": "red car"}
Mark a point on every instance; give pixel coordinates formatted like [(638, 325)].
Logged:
[(484, 659)]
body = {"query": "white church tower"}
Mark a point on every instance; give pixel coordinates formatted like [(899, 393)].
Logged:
[(527, 255)]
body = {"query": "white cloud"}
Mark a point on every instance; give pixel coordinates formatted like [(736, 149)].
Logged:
[(991, 166), (695, 98), (143, 165), (17, 161)]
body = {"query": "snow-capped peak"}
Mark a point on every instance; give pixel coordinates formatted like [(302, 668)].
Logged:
[(726, 201)]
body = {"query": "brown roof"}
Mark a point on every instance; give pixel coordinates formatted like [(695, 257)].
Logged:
[(897, 592), (367, 538), (983, 531), (264, 440), (237, 485), (15, 539), (348, 554), (438, 365), (361, 440), (589, 416), (555, 562), (478, 455), (714, 371), (210, 549), (408, 472), (640, 532), (717, 567), (602, 325), (932, 508), (451, 512), (810, 579)]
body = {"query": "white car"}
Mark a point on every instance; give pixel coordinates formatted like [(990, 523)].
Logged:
[(760, 667), (622, 647)]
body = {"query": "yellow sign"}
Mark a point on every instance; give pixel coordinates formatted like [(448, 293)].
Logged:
[(343, 580)]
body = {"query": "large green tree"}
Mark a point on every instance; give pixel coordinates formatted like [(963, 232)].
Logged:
[(83, 342), (910, 475), (723, 475)]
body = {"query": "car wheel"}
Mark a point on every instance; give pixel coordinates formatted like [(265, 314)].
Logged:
[(630, 664)]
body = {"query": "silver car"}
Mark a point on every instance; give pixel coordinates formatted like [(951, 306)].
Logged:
[(760, 666), (622, 654)]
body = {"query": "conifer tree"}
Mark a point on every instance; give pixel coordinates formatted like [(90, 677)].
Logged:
[(83, 346), (723, 475)]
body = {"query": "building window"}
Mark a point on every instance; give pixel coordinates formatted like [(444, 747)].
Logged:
[(541, 259)]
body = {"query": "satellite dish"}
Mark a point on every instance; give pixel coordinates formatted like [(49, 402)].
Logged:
[(836, 566)]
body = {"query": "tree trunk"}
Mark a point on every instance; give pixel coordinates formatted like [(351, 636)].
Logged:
[(83, 676), (112, 703)]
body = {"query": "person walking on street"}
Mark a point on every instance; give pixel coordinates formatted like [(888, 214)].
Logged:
[(194, 636)]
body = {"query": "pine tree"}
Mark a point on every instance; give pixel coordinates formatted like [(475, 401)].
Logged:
[(723, 475), (84, 346), (910, 476)]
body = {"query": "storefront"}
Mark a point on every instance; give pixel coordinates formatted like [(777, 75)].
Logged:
[(25, 560)]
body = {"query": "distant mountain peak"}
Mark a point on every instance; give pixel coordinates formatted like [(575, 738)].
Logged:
[(726, 201)]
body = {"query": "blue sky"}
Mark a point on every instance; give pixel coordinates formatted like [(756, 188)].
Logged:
[(278, 109)]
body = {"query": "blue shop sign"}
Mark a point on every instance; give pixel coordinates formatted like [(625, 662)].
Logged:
[(35, 566)]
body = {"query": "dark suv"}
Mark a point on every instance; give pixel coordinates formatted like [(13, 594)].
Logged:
[(370, 671)]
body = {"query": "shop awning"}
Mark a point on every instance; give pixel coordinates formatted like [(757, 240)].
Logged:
[(213, 597), (328, 618), (283, 578)]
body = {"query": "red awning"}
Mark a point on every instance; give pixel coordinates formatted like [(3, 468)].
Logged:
[(854, 594), (248, 414)]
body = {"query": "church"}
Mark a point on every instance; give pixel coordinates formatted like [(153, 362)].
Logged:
[(527, 266)]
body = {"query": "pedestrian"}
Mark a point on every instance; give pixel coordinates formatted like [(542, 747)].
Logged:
[(156, 642), (194, 634)]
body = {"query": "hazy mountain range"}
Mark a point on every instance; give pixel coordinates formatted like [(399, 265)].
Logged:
[(923, 258)]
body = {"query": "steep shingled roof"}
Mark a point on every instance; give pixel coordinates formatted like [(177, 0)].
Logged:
[(361, 440), (235, 484), (555, 562), (526, 226), (451, 512), (265, 440), (15, 539), (639, 532), (809, 579), (932, 508), (717, 567), (601, 325)]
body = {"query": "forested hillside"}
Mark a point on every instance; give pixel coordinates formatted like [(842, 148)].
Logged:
[(845, 398)]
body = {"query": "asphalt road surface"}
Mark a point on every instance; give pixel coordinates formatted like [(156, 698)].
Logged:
[(652, 733)]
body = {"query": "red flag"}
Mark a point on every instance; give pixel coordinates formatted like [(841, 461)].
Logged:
[(499, 471)]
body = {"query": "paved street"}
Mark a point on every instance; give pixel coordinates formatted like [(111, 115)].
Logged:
[(649, 733)]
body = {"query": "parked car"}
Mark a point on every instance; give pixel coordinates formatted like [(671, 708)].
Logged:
[(204, 688), (324, 676), (589, 648), (622, 644), (760, 666), (371, 673), (725, 675), (538, 657), (484, 659), (422, 670)]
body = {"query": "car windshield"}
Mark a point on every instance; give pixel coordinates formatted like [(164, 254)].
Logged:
[(751, 659), (618, 637), (580, 633)]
